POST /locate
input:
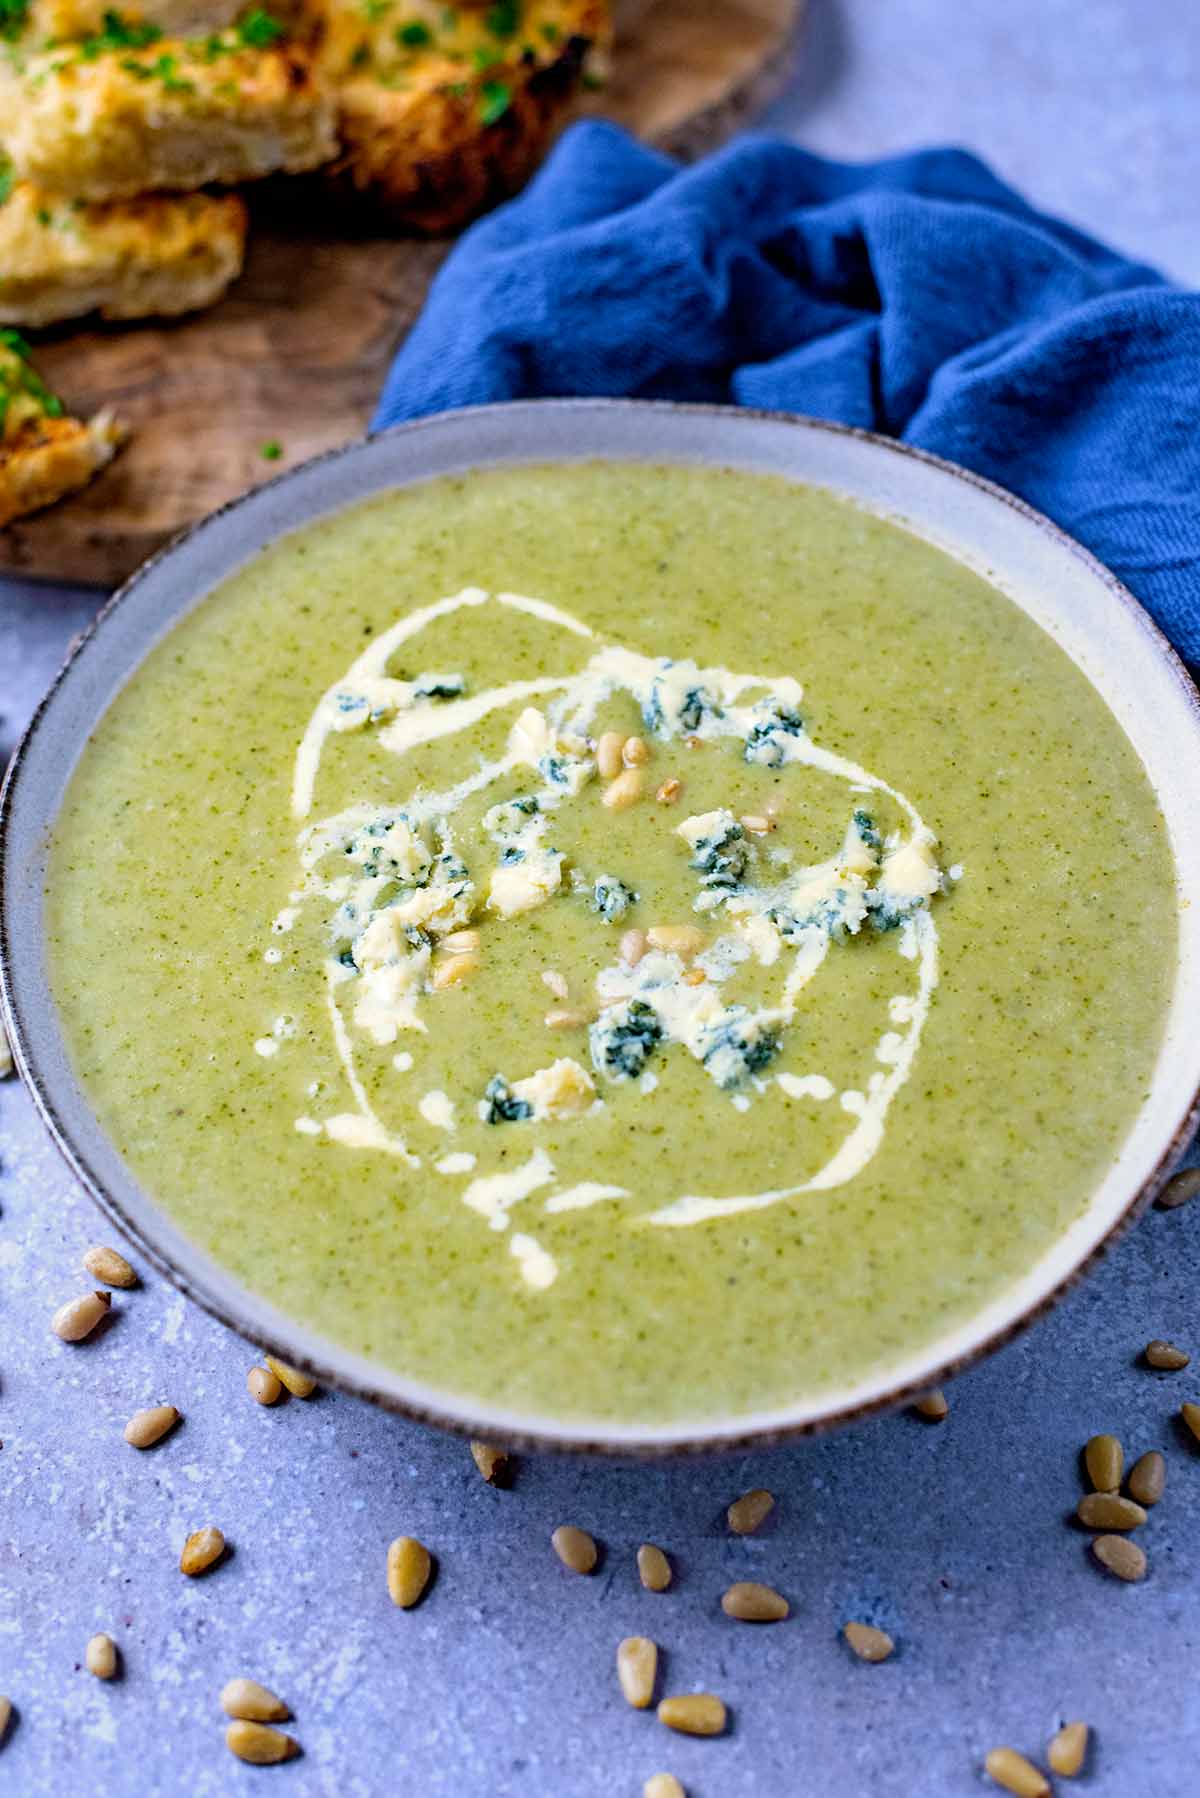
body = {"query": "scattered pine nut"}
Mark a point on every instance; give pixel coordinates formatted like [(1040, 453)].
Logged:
[(452, 970), (491, 1462), (1104, 1459), (1147, 1478), (1165, 1356), (669, 792), (1120, 1556), (1068, 1750), (300, 1385), (460, 942), (636, 752), (624, 791), (676, 939), (637, 1670), (1109, 1511), (245, 1698), (867, 1642), (556, 983), (608, 755), (693, 1714), (1180, 1189), (757, 824), (1191, 1416), (751, 1603), (633, 947), (1012, 1771), (100, 1657), (201, 1551), (932, 1406), (107, 1265), (259, 1744), (574, 1548), (6, 1709), (693, 742), (654, 1569), (745, 1514), (79, 1317), (565, 1017), (409, 1565), (265, 1387), (145, 1428), (663, 1785), (695, 977)]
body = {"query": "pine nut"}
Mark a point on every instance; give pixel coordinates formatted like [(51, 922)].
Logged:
[(608, 754), (663, 1785), (636, 752), (259, 1744), (751, 1603), (409, 1565), (695, 977), (1147, 1478), (145, 1428), (624, 791), (1109, 1511), (574, 1548), (633, 947), (565, 1017), (669, 792), (693, 1714), (932, 1406), (756, 824), (1181, 1189), (265, 1388), (683, 940), (6, 1709), (1068, 1750), (1165, 1356), (453, 970), (245, 1698), (745, 1514), (460, 942), (1104, 1459), (79, 1317), (1120, 1556), (105, 1264), (867, 1642), (1017, 1775), (654, 1569), (637, 1670), (100, 1657), (300, 1385), (491, 1462), (1191, 1416), (201, 1551), (557, 985)]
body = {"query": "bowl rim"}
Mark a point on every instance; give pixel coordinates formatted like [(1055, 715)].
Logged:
[(351, 1373)]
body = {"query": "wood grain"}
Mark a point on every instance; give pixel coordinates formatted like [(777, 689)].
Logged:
[(298, 351)]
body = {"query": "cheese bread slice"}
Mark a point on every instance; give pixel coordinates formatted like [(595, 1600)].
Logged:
[(43, 453)]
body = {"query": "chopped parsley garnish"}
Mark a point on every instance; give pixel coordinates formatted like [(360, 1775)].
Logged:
[(503, 18), (258, 30), (271, 452), (19, 377), (551, 32), (14, 15), (495, 98), (415, 35), (7, 178), (117, 34)]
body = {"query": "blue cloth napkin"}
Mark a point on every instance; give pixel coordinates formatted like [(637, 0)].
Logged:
[(918, 296)]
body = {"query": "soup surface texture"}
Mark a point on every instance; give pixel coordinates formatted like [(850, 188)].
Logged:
[(617, 942)]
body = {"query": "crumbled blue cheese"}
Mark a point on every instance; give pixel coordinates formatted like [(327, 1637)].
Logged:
[(564, 1089), (373, 699), (611, 898), (563, 760), (522, 884), (720, 851), (776, 724), (623, 1038)]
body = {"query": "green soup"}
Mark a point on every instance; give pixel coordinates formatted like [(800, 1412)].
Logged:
[(616, 942)]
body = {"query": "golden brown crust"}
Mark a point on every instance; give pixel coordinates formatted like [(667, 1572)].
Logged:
[(51, 457), (431, 154)]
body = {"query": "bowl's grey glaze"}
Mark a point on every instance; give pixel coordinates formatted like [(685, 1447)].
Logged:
[(1076, 600)]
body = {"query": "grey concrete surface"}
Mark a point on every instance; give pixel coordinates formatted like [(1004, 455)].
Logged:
[(955, 1537)]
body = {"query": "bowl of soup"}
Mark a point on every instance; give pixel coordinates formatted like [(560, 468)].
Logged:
[(614, 925)]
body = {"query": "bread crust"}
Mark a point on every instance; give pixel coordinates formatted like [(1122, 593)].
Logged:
[(53, 457), (158, 256)]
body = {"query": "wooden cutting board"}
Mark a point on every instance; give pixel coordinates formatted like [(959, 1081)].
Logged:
[(297, 352)]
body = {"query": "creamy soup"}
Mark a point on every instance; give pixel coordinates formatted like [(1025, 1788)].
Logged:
[(616, 942)]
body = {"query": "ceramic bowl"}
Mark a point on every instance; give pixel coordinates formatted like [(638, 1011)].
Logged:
[(1082, 606)]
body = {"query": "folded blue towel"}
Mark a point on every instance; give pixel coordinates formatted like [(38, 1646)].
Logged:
[(917, 296)]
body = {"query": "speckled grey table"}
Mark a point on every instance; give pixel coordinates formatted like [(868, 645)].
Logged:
[(955, 1537)]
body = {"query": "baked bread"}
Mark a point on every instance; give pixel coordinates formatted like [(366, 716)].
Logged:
[(43, 454), (442, 112), (58, 21), (102, 120), (158, 256)]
